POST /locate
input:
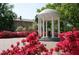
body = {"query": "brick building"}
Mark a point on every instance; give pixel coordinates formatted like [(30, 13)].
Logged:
[(25, 23)]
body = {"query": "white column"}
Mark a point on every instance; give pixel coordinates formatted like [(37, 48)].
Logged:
[(46, 28), (43, 27), (52, 27), (38, 27), (58, 25)]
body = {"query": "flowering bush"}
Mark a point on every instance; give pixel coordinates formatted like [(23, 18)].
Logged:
[(70, 44), (34, 47), (65, 35), (8, 34), (4, 34), (22, 34)]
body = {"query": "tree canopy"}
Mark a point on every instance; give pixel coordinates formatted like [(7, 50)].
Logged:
[(6, 16), (69, 13)]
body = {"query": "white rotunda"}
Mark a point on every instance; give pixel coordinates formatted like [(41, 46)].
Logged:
[(43, 18)]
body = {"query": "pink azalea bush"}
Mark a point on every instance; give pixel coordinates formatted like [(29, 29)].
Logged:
[(8, 34), (69, 44), (31, 46)]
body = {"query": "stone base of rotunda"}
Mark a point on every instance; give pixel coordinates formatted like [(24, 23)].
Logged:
[(56, 39)]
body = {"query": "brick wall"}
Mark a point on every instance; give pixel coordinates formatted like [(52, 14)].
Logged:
[(26, 24)]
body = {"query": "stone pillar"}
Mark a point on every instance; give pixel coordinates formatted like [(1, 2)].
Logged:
[(38, 27), (43, 27), (46, 28), (52, 27), (58, 25)]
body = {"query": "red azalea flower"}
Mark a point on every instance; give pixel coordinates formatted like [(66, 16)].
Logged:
[(76, 34), (23, 40), (62, 36), (44, 53), (32, 36), (51, 49), (18, 43), (59, 45), (56, 49), (8, 50), (68, 34), (12, 46)]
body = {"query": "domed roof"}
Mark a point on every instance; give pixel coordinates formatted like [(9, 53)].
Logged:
[(48, 14), (51, 11)]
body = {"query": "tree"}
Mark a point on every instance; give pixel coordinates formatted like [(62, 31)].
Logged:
[(6, 16), (68, 13)]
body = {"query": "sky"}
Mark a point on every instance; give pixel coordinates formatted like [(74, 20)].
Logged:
[(27, 10)]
